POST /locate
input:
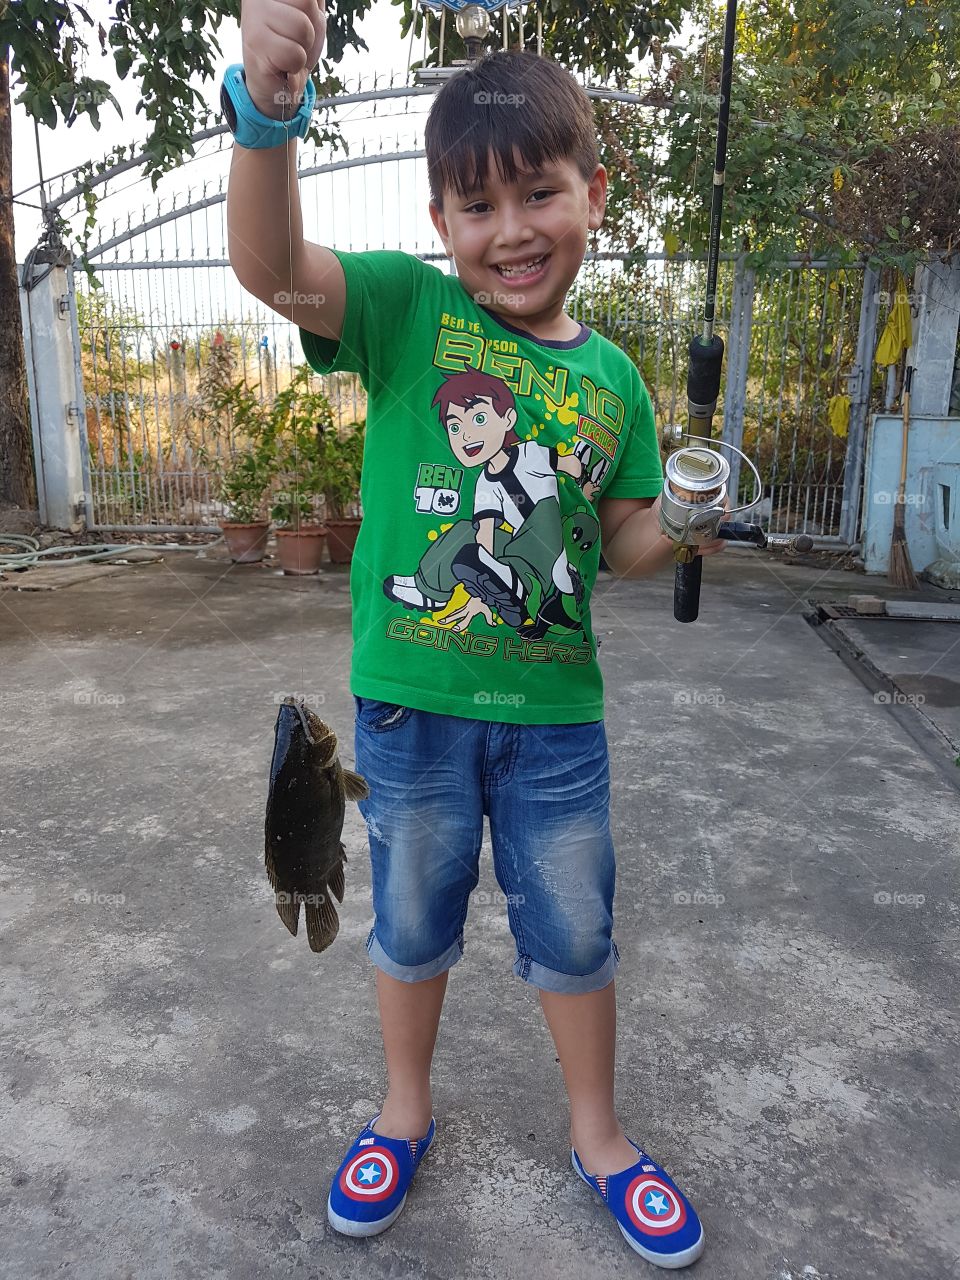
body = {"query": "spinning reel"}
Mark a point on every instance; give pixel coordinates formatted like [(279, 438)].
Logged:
[(692, 514)]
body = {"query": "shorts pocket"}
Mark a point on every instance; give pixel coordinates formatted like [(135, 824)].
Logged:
[(380, 717)]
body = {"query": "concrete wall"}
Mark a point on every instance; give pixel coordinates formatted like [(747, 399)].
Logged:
[(933, 460)]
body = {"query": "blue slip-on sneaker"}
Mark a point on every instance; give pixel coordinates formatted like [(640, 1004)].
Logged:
[(370, 1187), (654, 1216)]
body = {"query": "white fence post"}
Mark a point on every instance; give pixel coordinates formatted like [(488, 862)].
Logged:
[(738, 357), (859, 391), (48, 312), (934, 350)]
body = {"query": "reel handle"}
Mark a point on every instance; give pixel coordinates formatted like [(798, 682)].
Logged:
[(737, 531)]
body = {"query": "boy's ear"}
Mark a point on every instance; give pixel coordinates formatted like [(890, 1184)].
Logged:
[(440, 222), (597, 198)]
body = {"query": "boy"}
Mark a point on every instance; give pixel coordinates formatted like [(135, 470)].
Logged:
[(502, 437)]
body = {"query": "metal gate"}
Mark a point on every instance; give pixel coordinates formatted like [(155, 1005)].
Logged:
[(171, 323)]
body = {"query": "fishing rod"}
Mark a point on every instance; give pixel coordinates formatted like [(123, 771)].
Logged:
[(695, 484)]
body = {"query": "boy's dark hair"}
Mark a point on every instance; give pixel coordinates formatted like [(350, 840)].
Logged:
[(513, 98)]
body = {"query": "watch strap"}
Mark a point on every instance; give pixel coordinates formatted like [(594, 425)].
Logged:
[(249, 126)]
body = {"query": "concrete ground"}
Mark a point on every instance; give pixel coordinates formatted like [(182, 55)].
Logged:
[(181, 1077), (918, 666)]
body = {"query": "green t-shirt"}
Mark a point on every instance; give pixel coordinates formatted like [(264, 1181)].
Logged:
[(486, 453)]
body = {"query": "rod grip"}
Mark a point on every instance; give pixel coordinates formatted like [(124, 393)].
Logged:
[(704, 371), (686, 590)]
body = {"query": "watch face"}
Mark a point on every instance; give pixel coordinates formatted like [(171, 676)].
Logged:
[(228, 109)]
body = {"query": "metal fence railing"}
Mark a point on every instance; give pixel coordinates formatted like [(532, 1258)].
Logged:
[(170, 324)]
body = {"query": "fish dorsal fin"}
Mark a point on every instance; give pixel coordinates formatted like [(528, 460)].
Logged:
[(354, 786)]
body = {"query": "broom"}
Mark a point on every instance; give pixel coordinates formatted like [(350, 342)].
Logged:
[(900, 572)]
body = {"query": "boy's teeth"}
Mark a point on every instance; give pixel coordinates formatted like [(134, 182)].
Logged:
[(521, 271)]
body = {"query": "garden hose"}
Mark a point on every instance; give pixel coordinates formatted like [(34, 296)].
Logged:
[(31, 554)]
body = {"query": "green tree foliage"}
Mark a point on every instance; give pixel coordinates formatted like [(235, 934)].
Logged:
[(843, 116), (599, 41), (843, 134), (162, 44)]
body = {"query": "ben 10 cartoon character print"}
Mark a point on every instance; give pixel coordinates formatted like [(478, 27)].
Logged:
[(518, 556)]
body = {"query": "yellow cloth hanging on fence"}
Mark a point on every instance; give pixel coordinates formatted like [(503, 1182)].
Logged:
[(898, 331), (838, 412)]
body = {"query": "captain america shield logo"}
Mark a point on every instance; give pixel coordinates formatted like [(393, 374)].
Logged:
[(653, 1206), (371, 1175)]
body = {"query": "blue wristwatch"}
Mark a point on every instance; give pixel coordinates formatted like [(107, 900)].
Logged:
[(250, 127)]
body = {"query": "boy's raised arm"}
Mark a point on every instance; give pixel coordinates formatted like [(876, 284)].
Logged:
[(264, 224)]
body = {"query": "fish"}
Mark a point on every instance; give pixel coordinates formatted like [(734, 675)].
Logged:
[(306, 803)]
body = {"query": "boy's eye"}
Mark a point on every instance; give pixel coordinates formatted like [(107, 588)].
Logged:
[(454, 428), (480, 206), (480, 419)]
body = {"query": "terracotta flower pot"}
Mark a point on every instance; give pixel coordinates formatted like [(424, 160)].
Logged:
[(246, 542), (300, 551), (342, 538)]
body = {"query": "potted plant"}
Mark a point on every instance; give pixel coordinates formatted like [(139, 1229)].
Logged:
[(300, 533), (298, 424), (246, 473), (342, 465), (244, 481)]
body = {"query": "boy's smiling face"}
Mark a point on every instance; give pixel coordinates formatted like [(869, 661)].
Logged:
[(545, 218), (476, 433)]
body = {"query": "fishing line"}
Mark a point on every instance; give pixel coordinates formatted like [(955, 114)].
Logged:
[(696, 154), (413, 29), (287, 98), (298, 706)]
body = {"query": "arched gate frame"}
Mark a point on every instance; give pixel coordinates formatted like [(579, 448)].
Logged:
[(171, 321)]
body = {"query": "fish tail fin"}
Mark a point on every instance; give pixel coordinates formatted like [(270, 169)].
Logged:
[(288, 909), (335, 883), (355, 786), (323, 924)]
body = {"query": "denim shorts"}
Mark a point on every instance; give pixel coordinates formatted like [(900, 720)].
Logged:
[(546, 792)]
